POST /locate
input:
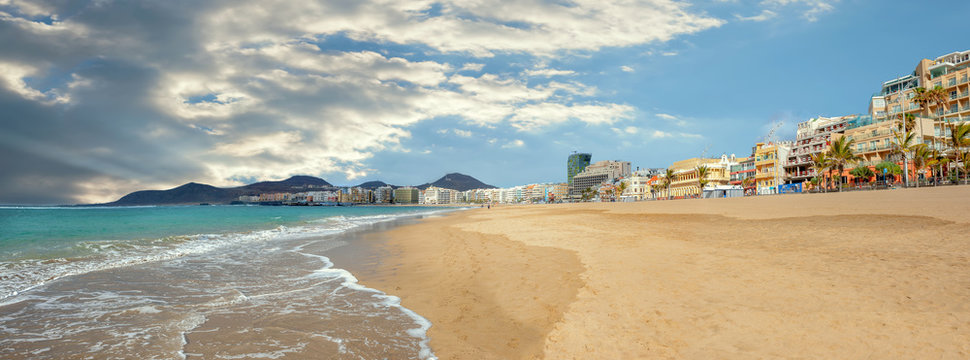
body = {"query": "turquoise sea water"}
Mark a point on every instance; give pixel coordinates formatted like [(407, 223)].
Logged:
[(194, 281), (52, 232)]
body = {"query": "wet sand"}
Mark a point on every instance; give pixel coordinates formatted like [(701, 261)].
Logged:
[(855, 275)]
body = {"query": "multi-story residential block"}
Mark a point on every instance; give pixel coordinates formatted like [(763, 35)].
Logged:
[(812, 137), (951, 72), (406, 195), (769, 173), (436, 196), (274, 197), (741, 172), (605, 171), (384, 195)]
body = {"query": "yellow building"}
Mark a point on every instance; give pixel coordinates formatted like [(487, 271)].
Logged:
[(684, 182), (768, 161)]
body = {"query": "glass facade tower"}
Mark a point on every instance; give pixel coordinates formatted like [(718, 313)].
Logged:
[(575, 165)]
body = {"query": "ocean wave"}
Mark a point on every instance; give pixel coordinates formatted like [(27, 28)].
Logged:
[(20, 276)]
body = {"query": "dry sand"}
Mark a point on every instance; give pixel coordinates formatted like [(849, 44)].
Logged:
[(863, 275)]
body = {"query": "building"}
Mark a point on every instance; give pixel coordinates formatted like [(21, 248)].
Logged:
[(384, 195), (605, 171), (437, 196), (951, 72), (576, 164), (812, 137), (742, 172), (768, 160), (685, 181), (406, 195)]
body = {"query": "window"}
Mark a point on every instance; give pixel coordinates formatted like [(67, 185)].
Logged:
[(938, 84), (951, 81)]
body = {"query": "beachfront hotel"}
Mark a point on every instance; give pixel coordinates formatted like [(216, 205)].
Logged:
[(951, 72)]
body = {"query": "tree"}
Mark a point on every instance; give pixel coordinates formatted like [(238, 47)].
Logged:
[(903, 144), (841, 153), (921, 154), (862, 173), (937, 161), (702, 181), (587, 194), (888, 168), (821, 162), (621, 189), (959, 139), (965, 159), (668, 178)]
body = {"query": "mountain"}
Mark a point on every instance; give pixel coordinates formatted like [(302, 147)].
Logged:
[(191, 193), (295, 183), (374, 185), (195, 193), (456, 181)]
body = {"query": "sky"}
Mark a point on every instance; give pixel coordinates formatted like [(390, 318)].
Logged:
[(101, 98)]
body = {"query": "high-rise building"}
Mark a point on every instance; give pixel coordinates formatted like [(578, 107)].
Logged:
[(576, 163)]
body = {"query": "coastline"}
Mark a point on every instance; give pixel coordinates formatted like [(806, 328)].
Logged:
[(878, 274)]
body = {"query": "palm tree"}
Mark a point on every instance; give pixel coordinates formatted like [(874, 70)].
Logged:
[(965, 159), (668, 178), (841, 152), (821, 162), (746, 183), (938, 160), (903, 144), (702, 181), (620, 189), (862, 173), (921, 154), (959, 139)]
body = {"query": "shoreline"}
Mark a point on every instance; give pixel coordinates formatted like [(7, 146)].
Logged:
[(856, 274)]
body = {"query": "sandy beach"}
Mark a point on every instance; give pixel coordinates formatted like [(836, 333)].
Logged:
[(862, 275)]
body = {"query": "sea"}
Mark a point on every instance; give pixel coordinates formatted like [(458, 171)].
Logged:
[(207, 282)]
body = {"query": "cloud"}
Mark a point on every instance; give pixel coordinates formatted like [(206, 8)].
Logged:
[(658, 134), (155, 94), (669, 53), (478, 28), (548, 72), (763, 16), (628, 69), (514, 144), (812, 8), (672, 119)]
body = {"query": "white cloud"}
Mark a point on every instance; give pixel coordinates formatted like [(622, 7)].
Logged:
[(813, 8), (472, 67), (669, 53), (479, 28), (548, 72), (514, 144), (463, 133), (763, 16), (658, 134), (627, 69), (666, 116)]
